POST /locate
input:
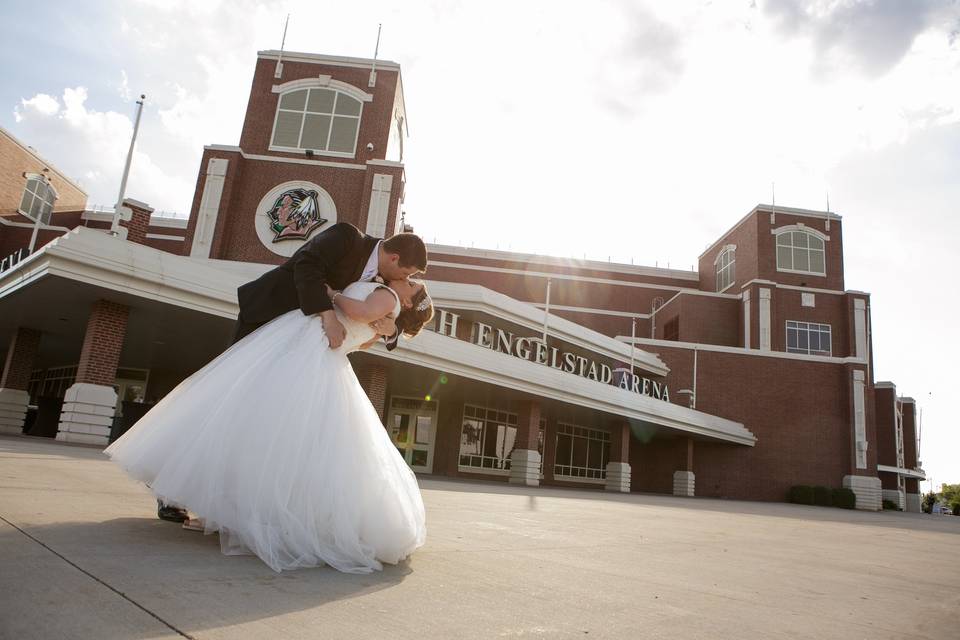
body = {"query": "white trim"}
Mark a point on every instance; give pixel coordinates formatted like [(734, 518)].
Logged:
[(31, 225), (96, 216), (487, 472), (771, 283), (765, 320), (318, 163), (727, 247), (138, 204), (170, 223), (571, 263), (323, 82), (333, 61), (884, 384), (650, 342), (599, 312), (317, 152), (746, 319), (766, 208), (802, 228), (560, 276), (386, 163), (919, 474), (907, 400), (452, 296), (209, 208), (860, 327), (560, 478), (160, 236), (461, 358)]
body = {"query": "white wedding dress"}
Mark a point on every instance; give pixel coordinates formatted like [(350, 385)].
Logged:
[(276, 446)]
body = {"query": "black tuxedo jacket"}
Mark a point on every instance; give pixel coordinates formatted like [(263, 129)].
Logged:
[(335, 256)]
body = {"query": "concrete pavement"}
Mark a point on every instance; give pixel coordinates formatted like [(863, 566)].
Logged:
[(82, 555)]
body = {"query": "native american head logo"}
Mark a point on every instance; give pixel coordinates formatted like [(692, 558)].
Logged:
[(295, 214)]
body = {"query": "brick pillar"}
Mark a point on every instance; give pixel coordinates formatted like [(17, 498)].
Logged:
[(618, 468), (136, 226), (684, 482), (525, 458), (15, 378), (90, 404), (373, 379)]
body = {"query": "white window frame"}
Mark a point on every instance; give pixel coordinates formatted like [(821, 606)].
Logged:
[(729, 268), (320, 152), (505, 469), (801, 325), (811, 233), (40, 179), (596, 476)]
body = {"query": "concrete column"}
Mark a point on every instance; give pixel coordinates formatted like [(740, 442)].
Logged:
[(895, 496), (618, 468), (373, 379), (913, 503), (90, 404), (869, 491), (15, 379), (525, 457), (684, 482)]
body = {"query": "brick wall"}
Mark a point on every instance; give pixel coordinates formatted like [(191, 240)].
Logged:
[(373, 378), (910, 453), (21, 355), (884, 399), (15, 160), (102, 343), (138, 223)]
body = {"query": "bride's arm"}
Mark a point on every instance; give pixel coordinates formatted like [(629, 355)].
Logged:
[(377, 305)]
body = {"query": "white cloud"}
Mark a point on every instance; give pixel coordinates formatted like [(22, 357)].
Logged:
[(41, 103)]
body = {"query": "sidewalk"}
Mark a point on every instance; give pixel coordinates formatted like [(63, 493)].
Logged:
[(82, 555)]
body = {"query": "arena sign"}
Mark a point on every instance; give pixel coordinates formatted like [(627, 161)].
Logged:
[(534, 349)]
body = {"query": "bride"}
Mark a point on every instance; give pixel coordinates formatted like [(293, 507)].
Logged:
[(275, 445)]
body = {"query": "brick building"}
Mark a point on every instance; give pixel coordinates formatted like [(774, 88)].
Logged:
[(739, 380)]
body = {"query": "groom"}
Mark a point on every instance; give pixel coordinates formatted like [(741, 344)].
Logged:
[(338, 256)]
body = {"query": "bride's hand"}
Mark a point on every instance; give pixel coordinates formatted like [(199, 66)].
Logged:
[(330, 290), (384, 326)]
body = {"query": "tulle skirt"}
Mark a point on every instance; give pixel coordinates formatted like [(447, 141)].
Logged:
[(276, 446)]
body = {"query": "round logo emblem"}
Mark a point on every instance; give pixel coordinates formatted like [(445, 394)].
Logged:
[(292, 212)]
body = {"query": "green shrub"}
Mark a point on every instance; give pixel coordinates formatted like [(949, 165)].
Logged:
[(822, 496), (844, 498), (801, 494), (890, 505)]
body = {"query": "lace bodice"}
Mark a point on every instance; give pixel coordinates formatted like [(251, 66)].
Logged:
[(360, 332)]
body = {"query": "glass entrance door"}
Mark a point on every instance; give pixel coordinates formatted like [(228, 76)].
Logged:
[(412, 424)]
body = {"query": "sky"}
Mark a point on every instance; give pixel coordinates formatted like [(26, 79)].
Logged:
[(629, 131)]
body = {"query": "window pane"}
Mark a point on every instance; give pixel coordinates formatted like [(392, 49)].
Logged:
[(294, 100), (792, 340), (801, 261), (321, 100), (784, 258), (825, 345), (800, 239), (816, 262), (287, 133), (45, 211), (579, 452), (25, 201), (815, 242), (347, 106), (315, 130), (423, 430), (562, 456), (35, 207), (344, 134), (470, 437), (802, 342), (595, 455)]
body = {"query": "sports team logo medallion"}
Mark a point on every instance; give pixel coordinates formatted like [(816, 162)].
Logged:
[(295, 214)]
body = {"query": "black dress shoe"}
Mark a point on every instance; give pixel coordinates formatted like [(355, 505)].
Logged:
[(171, 513)]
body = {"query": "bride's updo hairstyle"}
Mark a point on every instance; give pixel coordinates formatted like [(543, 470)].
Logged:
[(411, 320)]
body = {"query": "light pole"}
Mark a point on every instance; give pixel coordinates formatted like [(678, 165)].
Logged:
[(118, 210)]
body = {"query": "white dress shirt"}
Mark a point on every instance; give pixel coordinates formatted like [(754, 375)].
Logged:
[(373, 265)]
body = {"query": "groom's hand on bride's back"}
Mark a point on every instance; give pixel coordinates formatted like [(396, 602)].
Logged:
[(335, 331)]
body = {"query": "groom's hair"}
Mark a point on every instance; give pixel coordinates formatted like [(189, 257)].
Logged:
[(410, 248)]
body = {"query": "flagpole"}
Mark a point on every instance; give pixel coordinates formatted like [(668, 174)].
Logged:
[(115, 225)]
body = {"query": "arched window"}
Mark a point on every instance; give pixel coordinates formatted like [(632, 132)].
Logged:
[(725, 264), (320, 119), (38, 198), (801, 251)]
